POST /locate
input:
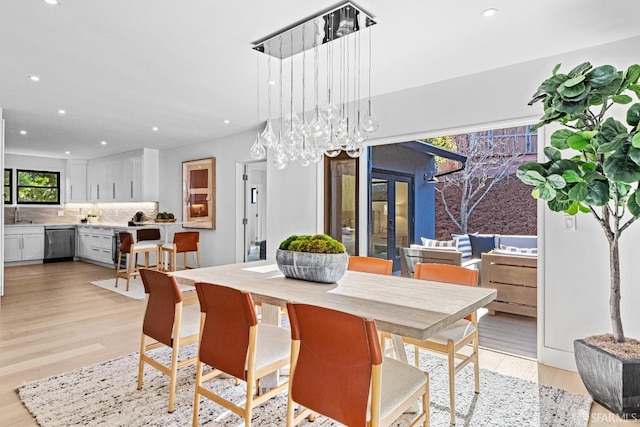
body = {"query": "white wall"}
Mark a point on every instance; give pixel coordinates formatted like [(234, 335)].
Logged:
[(1, 208)]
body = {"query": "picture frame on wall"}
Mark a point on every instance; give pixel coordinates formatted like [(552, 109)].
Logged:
[(199, 193)]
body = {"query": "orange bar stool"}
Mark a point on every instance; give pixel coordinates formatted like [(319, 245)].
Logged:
[(183, 243), (131, 249)]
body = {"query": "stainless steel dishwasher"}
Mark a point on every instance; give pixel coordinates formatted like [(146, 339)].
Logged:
[(59, 243)]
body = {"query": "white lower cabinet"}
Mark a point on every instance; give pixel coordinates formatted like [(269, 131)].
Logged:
[(23, 243), (95, 243)]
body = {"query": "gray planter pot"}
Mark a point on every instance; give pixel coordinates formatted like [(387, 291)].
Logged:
[(612, 382), (321, 268)]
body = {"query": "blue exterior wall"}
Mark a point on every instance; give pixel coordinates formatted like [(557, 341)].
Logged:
[(407, 161)]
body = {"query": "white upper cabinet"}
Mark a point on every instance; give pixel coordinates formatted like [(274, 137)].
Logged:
[(127, 177), (76, 181)]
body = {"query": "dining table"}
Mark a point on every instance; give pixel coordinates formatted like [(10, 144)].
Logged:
[(404, 307)]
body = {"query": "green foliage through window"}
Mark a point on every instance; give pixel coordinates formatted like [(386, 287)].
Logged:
[(38, 187), (7, 186)]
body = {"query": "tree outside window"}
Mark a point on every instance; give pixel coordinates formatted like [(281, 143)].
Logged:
[(38, 187), (7, 187)]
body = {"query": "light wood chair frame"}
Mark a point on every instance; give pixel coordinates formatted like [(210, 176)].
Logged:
[(172, 257), (253, 381), (451, 349), (133, 267), (172, 370)]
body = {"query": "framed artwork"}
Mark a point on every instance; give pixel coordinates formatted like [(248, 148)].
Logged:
[(199, 193)]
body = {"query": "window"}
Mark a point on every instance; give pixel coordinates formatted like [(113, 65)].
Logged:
[(38, 187), (7, 186)]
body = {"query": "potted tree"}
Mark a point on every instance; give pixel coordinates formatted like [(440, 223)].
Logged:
[(593, 167), (317, 258)]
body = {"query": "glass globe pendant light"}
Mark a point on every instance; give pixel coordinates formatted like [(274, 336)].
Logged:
[(268, 136), (257, 150), (370, 121)]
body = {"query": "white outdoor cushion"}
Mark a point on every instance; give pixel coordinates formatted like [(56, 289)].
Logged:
[(431, 243), (441, 248), (508, 252)]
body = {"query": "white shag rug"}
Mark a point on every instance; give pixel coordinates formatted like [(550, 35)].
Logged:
[(136, 288), (106, 394)]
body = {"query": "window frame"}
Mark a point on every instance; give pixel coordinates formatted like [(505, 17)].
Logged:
[(37, 203), (10, 186)]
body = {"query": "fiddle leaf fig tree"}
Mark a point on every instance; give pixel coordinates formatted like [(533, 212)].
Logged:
[(593, 162)]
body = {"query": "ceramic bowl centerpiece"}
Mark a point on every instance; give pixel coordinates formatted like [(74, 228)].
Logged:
[(317, 258)]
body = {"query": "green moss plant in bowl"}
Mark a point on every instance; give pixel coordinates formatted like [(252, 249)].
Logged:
[(317, 258)]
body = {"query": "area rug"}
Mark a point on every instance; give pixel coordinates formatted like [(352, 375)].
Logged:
[(106, 394), (136, 288)]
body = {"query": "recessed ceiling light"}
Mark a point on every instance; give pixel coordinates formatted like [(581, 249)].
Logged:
[(34, 78), (271, 82), (67, 152), (52, 2), (155, 128), (103, 142), (226, 122), (62, 112), (489, 12), (23, 132)]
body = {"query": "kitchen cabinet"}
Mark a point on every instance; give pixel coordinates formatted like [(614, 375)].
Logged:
[(76, 181), (23, 243), (127, 177), (95, 243)]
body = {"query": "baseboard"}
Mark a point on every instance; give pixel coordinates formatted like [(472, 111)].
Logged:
[(558, 359)]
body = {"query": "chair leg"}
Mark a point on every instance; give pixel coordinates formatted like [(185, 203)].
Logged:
[(198, 256), (141, 363), (129, 272), (196, 399), (416, 356), (451, 354), (426, 402), (174, 261), (476, 361), (174, 374), (248, 407), (118, 270)]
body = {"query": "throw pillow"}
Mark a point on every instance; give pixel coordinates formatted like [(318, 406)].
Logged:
[(508, 252), (518, 251), (481, 244), (463, 243), (434, 248), (430, 243)]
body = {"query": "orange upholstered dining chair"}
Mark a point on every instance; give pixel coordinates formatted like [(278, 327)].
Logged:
[(370, 265), (183, 243), (131, 249), (168, 323), (338, 370), (453, 338), (233, 342)]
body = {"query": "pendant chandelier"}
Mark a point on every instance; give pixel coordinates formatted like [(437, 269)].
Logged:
[(332, 119)]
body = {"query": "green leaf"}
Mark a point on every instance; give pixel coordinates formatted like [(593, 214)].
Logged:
[(583, 208), (602, 76), (574, 81), (598, 193), (634, 154), (558, 205), (558, 167), (620, 167), (610, 129), (621, 99), (571, 176), (623, 189), (612, 88), (580, 69), (555, 69), (556, 181), (579, 192), (632, 204), (535, 193), (591, 175), (618, 142), (635, 141), (552, 153), (573, 209), (636, 89), (570, 107), (559, 138), (633, 115), (632, 75), (532, 177), (550, 85), (547, 192), (589, 166), (530, 166), (577, 142)]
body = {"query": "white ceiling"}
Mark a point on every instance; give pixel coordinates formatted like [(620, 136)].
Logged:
[(120, 67)]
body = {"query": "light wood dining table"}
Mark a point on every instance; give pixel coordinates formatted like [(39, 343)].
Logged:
[(399, 305)]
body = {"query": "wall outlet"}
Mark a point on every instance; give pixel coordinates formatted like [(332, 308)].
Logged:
[(60, 213)]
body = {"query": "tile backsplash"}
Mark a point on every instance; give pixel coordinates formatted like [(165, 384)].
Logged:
[(107, 212)]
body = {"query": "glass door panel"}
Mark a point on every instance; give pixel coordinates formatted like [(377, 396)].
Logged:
[(402, 217), (379, 217)]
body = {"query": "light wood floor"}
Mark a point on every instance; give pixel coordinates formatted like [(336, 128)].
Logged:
[(509, 333), (52, 321)]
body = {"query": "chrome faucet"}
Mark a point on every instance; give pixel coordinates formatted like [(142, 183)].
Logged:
[(16, 217)]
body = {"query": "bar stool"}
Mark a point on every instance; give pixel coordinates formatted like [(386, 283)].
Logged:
[(183, 242), (131, 249), (151, 236)]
